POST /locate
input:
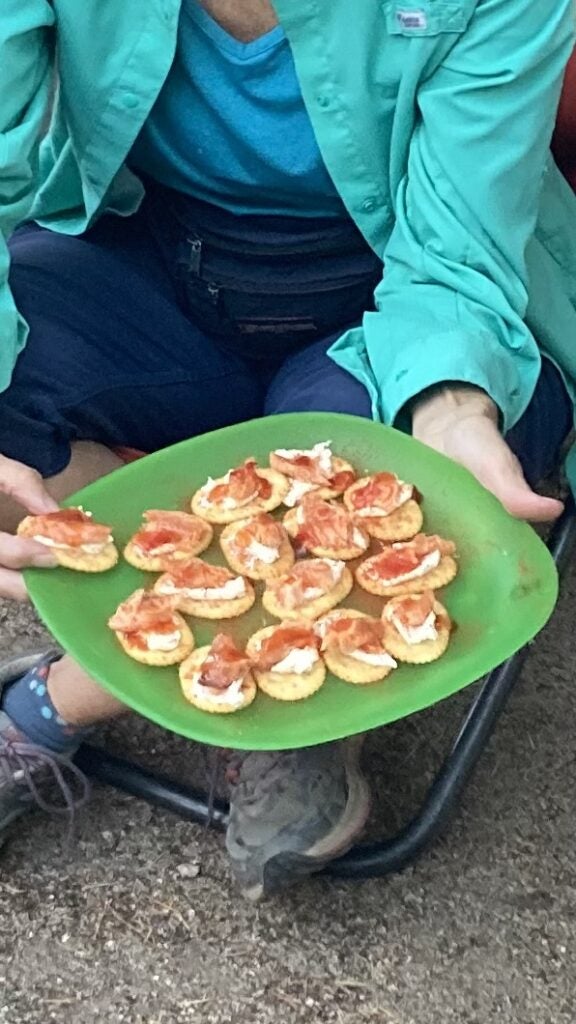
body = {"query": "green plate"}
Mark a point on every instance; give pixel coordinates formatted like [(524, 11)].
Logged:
[(504, 593)]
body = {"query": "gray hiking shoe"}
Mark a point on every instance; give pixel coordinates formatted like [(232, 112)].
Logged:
[(26, 769), (292, 811)]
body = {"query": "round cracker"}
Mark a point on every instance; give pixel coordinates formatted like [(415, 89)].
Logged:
[(440, 576), (193, 663), (312, 609), (73, 558), (286, 686), (353, 671), (402, 524), (161, 659), (214, 514), (207, 609), (424, 652), (162, 563), (260, 570), (341, 554)]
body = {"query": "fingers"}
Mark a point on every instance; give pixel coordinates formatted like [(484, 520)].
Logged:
[(524, 503), (12, 585), (25, 486), (21, 553)]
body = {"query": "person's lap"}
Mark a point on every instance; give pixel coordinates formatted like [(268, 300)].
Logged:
[(113, 358)]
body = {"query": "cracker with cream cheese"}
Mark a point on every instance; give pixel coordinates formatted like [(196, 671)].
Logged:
[(258, 547), (218, 678), (275, 650), (75, 540), (240, 493)]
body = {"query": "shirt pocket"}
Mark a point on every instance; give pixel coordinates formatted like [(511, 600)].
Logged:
[(426, 18)]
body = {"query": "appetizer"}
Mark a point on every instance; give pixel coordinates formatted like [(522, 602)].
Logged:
[(287, 663), (354, 646), (167, 538), (423, 563), (258, 547), (150, 630), (218, 678), (312, 469), (242, 492), (386, 506), (309, 589), (207, 591), (76, 541), (417, 627), (326, 529)]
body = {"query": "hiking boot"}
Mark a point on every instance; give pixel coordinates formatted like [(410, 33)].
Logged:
[(292, 811), (26, 768)]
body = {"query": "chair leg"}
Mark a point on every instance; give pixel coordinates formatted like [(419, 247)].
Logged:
[(391, 854)]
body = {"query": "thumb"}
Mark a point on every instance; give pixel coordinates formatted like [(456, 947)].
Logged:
[(506, 480)]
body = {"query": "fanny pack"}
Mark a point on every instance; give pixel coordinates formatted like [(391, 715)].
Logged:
[(263, 285)]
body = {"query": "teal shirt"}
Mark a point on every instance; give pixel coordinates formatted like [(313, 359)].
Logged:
[(434, 120), (230, 126)]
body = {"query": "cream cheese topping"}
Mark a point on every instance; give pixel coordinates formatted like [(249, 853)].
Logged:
[(256, 552), (298, 661), (406, 492), (163, 641), (428, 563), (228, 592), (378, 659), (87, 549), (414, 634), (231, 695), (298, 488)]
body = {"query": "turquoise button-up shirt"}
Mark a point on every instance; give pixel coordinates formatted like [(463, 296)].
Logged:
[(434, 119)]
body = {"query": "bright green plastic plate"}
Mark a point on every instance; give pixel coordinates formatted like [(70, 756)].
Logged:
[(504, 593)]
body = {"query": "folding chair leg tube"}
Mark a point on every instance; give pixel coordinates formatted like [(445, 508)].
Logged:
[(397, 852), (156, 789)]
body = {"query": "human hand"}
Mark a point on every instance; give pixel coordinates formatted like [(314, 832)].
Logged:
[(462, 422), (26, 487)]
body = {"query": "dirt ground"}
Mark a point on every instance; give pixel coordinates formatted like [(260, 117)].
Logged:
[(137, 921)]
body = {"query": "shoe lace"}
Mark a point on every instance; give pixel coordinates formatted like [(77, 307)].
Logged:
[(21, 761)]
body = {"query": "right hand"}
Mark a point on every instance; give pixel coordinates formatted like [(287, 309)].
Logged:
[(26, 487)]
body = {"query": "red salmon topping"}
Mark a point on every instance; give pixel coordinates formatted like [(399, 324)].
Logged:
[(263, 529), (174, 529), (354, 634), (145, 611), (70, 526), (308, 469), (195, 573), (402, 558), (382, 491), (277, 646), (223, 664), (290, 589), (324, 524), (243, 485)]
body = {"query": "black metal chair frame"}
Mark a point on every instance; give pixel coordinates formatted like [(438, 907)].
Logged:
[(391, 854)]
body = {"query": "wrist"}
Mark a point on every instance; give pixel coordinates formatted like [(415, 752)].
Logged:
[(444, 402)]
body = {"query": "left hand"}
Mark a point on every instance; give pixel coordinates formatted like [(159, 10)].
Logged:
[(462, 422)]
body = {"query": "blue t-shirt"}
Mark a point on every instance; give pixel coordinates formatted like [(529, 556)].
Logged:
[(230, 126)]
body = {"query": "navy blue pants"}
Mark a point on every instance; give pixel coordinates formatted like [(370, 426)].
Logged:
[(148, 330)]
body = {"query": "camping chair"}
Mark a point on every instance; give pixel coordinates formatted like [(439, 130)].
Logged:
[(395, 852)]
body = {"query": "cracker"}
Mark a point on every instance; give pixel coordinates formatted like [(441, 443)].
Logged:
[(260, 570), (402, 524), (422, 653), (438, 577), (286, 686), (73, 558), (353, 671), (342, 554), (280, 488), (192, 664), (339, 466), (161, 659), (162, 563), (312, 609)]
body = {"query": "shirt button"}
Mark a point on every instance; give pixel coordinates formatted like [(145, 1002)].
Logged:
[(129, 100), (369, 205)]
